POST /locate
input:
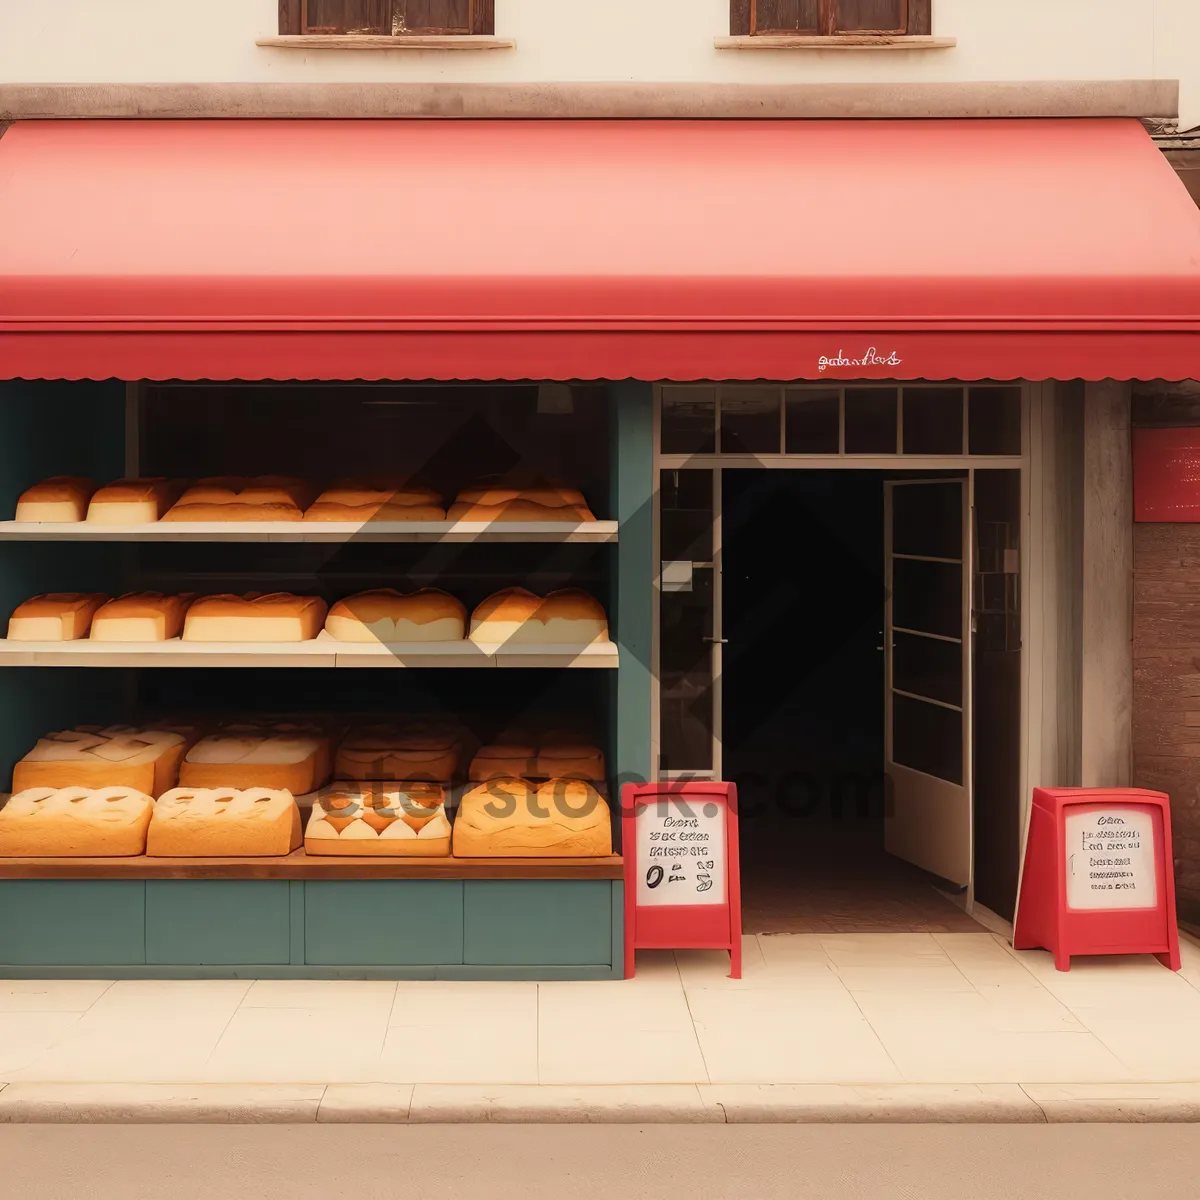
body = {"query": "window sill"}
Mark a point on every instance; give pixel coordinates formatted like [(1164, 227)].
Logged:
[(411, 41), (841, 41)]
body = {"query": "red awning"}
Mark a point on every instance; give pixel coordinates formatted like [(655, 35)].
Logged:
[(595, 250)]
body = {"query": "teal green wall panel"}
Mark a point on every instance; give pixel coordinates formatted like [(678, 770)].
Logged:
[(402, 922), (189, 921), (520, 922), (633, 470), (67, 922)]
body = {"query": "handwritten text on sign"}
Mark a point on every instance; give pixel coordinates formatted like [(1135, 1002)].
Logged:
[(1110, 859), (680, 852)]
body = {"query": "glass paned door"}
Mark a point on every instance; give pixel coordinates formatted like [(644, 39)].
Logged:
[(927, 675)]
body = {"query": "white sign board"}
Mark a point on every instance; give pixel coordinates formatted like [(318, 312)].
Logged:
[(681, 851), (1110, 859)]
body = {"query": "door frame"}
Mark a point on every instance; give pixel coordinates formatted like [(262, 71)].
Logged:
[(1039, 482)]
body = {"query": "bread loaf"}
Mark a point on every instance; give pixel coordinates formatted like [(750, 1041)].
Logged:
[(144, 759), (361, 500), (224, 823), (274, 617), (503, 760), (140, 617), (429, 753), (569, 617), (231, 498), (360, 514), (62, 498), (385, 615), (515, 819), (75, 822), (57, 617), (547, 494), (298, 763), (400, 820), (564, 757), (132, 501), (519, 510)]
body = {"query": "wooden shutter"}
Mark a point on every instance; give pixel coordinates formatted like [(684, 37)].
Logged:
[(433, 16), (348, 16), (864, 16), (830, 17), (786, 16), (290, 17)]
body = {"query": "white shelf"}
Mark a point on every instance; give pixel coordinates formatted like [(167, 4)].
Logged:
[(323, 651), (310, 531)]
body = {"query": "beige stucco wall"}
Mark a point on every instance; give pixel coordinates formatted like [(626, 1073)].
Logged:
[(64, 41)]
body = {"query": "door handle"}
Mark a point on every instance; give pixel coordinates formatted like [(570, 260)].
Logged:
[(716, 641)]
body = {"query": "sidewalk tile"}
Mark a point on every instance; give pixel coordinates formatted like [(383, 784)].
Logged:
[(1153, 1044), (366, 1104), (771, 1036), (1020, 1010), (351, 996), (26, 1036), (675, 1104), (896, 1104), (51, 995), (157, 1103), (803, 970)]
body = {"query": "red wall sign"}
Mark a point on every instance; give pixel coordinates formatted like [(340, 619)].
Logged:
[(1099, 875), (683, 890), (1166, 475)]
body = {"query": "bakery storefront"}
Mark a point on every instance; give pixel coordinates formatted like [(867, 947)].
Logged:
[(377, 497)]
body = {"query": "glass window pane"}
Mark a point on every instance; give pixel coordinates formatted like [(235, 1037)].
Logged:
[(689, 420), (349, 16), (685, 676), (995, 420), (871, 420), (871, 16), (750, 420), (927, 596), (927, 519), (933, 420), (785, 16), (812, 421), (685, 530), (927, 738), (432, 16), (927, 667)]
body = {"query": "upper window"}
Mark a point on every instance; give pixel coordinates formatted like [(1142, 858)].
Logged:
[(830, 18), (395, 18)]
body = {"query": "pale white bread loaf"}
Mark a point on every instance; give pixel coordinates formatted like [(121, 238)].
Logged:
[(430, 753), (61, 498), (273, 617), (324, 731), (519, 510), (386, 615), (502, 760), (569, 617), (360, 514), (224, 823), (133, 501), (515, 819), (140, 617), (75, 822), (295, 763), (55, 617), (146, 760), (398, 820), (561, 756)]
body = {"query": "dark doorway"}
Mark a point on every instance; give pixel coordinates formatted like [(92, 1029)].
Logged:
[(803, 706)]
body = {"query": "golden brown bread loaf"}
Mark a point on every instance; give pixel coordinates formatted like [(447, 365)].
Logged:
[(361, 500), (75, 822), (224, 823), (503, 760), (295, 762), (56, 617), (142, 758), (549, 494), (519, 509), (232, 498), (254, 617), (386, 615), (398, 820), (61, 498), (566, 617), (360, 514), (561, 756), (516, 819), (140, 617), (133, 501), (428, 752)]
